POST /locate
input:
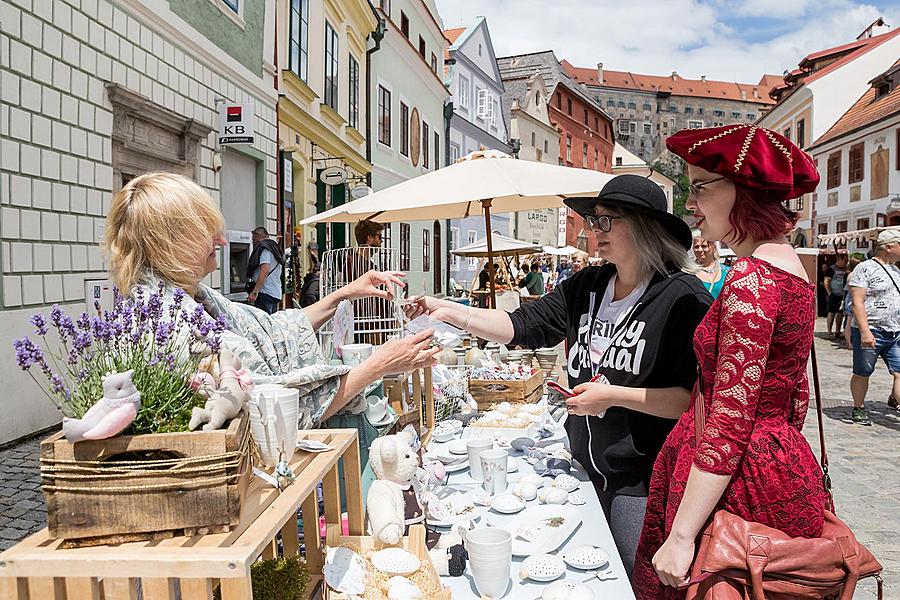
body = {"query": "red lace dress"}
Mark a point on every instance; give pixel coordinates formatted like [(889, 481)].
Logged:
[(756, 395)]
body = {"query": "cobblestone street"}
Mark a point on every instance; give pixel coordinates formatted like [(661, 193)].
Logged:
[(863, 468)]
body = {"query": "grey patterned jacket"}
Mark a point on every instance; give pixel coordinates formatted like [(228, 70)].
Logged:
[(279, 348)]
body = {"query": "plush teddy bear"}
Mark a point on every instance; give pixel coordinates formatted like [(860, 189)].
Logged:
[(111, 414), (232, 391), (392, 502)]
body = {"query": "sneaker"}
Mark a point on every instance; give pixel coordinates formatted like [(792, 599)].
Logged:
[(860, 417), (892, 402)]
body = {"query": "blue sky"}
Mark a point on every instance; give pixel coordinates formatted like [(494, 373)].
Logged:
[(732, 40)]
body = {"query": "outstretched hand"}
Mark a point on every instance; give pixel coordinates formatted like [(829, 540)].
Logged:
[(376, 284)]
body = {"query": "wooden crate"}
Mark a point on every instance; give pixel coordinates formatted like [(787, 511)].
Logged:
[(492, 391), (117, 490), (191, 567), (414, 542)]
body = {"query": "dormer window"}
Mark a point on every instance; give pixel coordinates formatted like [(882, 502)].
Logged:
[(882, 90)]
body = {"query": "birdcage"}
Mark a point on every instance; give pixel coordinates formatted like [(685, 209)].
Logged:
[(375, 320)]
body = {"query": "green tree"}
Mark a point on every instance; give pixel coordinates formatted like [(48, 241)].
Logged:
[(674, 168)]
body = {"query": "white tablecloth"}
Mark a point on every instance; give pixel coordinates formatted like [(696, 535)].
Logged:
[(593, 530)]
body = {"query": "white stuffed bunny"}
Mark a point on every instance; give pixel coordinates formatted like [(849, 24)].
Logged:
[(392, 503)]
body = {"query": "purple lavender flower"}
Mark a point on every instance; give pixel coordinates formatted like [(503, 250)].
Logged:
[(40, 325), (28, 354), (84, 322), (163, 333), (57, 384), (73, 356), (82, 340), (97, 307)]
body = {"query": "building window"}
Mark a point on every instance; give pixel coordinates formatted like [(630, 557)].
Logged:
[(648, 128), (632, 104), (856, 171), (472, 238), (568, 148), (404, 24), (840, 227), (404, 246), (597, 158), (751, 116), (801, 132), (495, 110), (621, 103), (533, 140), (463, 93), (648, 106), (596, 123), (584, 158), (735, 115), (404, 129), (454, 153), (547, 145), (610, 102), (834, 170), (331, 66), (787, 133), (718, 113), (688, 110), (384, 116), (673, 108), (569, 106), (695, 124), (386, 241), (434, 63), (624, 127), (485, 108), (386, 7), (425, 139), (353, 112), (299, 34), (426, 249), (585, 116), (422, 50), (823, 228), (558, 102), (437, 150), (897, 151), (232, 4), (453, 245)]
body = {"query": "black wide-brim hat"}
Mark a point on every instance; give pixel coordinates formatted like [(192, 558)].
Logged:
[(640, 194)]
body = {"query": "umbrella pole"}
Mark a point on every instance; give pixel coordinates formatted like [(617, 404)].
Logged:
[(486, 204)]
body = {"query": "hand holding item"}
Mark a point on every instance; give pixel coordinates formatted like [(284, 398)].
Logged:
[(867, 339), (406, 354), (673, 561), (591, 399), (374, 284)]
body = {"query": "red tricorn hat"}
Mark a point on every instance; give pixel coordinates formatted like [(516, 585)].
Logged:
[(750, 155)]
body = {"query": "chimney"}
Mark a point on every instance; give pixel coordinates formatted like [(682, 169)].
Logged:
[(703, 78), (674, 75), (600, 73)]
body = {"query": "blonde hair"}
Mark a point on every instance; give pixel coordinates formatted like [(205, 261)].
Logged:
[(160, 224), (582, 255)]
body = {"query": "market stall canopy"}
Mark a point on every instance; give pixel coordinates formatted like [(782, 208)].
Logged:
[(457, 191), (501, 245), (564, 251), (862, 235)]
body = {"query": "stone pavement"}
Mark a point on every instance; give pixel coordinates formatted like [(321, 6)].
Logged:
[(864, 468)]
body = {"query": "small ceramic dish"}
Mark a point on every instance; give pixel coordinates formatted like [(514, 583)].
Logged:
[(455, 424), (457, 447), (566, 482), (456, 467), (443, 435), (507, 504), (396, 561), (586, 558), (553, 495), (577, 499), (542, 567)]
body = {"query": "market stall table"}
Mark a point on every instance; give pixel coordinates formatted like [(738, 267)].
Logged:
[(593, 530)]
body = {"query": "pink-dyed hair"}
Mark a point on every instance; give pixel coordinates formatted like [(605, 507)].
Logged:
[(759, 214)]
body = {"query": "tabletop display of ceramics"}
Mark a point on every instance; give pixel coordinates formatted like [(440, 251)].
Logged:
[(443, 435), (542, 567), (396, 561), (567, 590), (542, 529), (553, 495), (577, 499), (566, 482), (586, 558), (458, 447), (313, 446), (534, 478), (401, 588), (507, 504), (457, 466), (525, 490), (455, 509)]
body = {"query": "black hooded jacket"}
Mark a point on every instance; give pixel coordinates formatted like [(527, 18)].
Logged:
[(652, 349)]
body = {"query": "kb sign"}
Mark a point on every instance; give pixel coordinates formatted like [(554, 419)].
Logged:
[(235, 124)]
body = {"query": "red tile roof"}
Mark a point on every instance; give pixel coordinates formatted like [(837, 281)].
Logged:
[(452, 35), (675, 84), (836, 50), (866, 111), (870, 44)]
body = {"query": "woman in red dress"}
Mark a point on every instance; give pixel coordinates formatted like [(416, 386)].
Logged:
[(752, 349)]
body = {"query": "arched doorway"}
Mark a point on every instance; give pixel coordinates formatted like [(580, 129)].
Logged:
[(438, 257)]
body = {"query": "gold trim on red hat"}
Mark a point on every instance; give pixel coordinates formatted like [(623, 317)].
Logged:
[(721, 134)]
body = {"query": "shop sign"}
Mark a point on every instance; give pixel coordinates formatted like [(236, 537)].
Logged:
[(235, 124), (333, 176), (360, 191), (288, 173)]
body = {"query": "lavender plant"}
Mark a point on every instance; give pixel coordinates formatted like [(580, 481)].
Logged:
[(139, 334)]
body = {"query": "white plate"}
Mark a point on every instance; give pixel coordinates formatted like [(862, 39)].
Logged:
[(458, 447), (454, 468), (543, 567), (313, 446), (507, 504), (396, 561), (552, 537), (457, 502), (443, 435), (586, 558)]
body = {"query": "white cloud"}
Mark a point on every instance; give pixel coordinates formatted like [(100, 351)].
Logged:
[(659, 36)]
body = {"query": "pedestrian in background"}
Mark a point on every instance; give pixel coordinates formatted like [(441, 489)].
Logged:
[(875, 295), (712, 272), (579, 261), (264, 270), (835, 279), (848, 308)]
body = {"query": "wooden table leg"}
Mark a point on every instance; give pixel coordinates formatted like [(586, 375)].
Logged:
[(353, 488), (236, 589)]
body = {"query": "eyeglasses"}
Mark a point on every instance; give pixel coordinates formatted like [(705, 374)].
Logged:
[(695, 188), (603, 223)]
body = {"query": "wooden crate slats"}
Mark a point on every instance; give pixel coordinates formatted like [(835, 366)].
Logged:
[(82, 587), (158, 588), (236, 589), (46, 587), (311, 539), (119, 588), (331, 490), (196, 589), (290, 537), (429, 399), (353, 485), (12, 588)]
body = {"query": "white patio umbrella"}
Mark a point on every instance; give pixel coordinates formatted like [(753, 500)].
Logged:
[(500, 244), (481, 181), (564, 251)]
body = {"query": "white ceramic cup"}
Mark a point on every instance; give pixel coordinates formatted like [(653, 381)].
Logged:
[(490, 558), (474, 448), (274, 412), (353, 355), (493, 470), (377, 409)]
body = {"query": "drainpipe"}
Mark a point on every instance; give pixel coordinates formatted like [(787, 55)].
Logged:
[(448, 116), (376, 36)]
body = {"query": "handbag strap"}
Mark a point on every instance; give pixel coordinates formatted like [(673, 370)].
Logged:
[(888, 273)]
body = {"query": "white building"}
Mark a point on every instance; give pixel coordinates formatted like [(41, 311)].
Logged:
[(859, 158), (94, 93), (625, 162)]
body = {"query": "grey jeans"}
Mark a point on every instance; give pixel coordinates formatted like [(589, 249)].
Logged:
[(625, 515)]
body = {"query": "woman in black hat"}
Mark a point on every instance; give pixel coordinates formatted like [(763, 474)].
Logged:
[(629, 326)]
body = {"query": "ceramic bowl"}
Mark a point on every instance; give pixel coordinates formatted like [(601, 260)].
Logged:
[(458, 447), (586, 557), (507, 504), (566, 482), (554, 495), (396, 561), (525, 490), (443, 435), (567, 590), (542, 567), (577, 499)]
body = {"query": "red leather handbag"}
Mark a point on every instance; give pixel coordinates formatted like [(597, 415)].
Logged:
[(742, 560)]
